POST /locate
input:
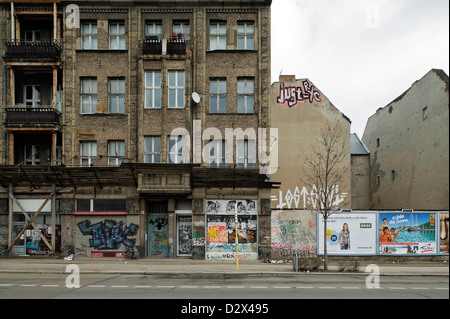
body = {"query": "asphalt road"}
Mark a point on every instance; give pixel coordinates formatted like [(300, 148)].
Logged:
[(326, 286)]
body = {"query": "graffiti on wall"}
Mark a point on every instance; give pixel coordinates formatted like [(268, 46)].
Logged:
[(303, 199), (292, 95), (34, 243), (109, 234), (292, 230)]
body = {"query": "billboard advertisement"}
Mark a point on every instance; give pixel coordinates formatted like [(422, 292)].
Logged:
[(443, 233), (348, 234), (407, 233)]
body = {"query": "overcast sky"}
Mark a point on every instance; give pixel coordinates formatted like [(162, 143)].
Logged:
[(361, 54)]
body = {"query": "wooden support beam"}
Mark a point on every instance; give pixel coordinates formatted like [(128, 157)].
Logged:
[(11, 148), (13, 23), (53, 236), (12, 87), (30, 222)]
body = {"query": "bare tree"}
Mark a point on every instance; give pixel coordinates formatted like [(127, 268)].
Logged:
[(328, 166)]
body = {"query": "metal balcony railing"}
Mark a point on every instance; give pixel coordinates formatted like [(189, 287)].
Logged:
[(33, 49), (155, 46), (32, 115)]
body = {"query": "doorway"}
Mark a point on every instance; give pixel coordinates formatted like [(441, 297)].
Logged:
[(184, 233), (158, 236)]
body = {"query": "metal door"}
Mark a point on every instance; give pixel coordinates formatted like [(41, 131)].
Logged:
[(158, 236), (184, 234)]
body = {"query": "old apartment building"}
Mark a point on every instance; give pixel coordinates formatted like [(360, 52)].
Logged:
[(116, 118)]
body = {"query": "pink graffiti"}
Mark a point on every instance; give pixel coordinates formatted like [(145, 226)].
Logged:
[(292, 95)]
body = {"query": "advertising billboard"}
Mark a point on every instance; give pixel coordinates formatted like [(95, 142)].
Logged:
[(407, 233), (348, 234)]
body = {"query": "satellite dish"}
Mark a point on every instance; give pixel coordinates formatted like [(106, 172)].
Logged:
[(196, 97)]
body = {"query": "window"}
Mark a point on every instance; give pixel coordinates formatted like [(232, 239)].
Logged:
[(218, 36), (153, 29), (246, 36), (89, 36), (152, 149), (116, 153), (246, 153), (117, 36), (218, 96), (217, 152), (378, 180), (176, 149), (425, 113), (246, 96), (88, 153), (32, 35), (176, 89), (116, 95), (393, 174), (152, 90), (88, 96), (32, 95), (31, 154), (182, 27), (101, 205)]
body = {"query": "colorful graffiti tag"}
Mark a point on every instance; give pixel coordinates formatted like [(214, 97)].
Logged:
[(109, 234), (292, 95)]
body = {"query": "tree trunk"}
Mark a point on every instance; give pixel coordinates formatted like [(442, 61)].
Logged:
[(325, 245)]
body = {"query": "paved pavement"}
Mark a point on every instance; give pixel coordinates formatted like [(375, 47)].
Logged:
[(202, 268)]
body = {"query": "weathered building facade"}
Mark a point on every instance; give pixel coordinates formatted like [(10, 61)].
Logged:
[(408, 142), (123, 118)]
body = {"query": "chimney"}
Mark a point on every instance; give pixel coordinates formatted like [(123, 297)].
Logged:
[(284, 78)]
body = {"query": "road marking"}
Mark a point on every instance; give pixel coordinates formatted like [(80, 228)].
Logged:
[(165, 287), (119, 286), (52, 286), (144, 287), (235, 287), (6, 285), (445, 288), (397, 288), (213, 287), (96, 286), (327, 287), (281, 287), (420, 288), (302, 287), (27, 285), (350, 287), (188, 287), (261, 287)]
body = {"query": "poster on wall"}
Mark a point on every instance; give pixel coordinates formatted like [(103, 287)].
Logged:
[(221, 229), (443, 233), (351, 234), (406, 233)]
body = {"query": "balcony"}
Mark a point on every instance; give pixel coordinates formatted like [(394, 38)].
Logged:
[(155, 46), (176, 46), (34, 50), (32, 116)]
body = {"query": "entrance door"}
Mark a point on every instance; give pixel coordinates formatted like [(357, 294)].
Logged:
[(184, 234), (158, 236), (19, 248)]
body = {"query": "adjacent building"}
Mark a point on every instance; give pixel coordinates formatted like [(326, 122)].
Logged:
[(408, 142), (120, 128)]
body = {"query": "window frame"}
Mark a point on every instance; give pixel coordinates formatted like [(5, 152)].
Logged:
[(248, 37), (246, 96), (153, 88), (177, 88), (217, 37), (91, 94), (92, 155), (118, 36), (218, 95), (91, 35), (150, 154), (117, 158), (120, 109)]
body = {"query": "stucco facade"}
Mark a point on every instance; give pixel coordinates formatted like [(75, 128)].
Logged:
[(408, 142)]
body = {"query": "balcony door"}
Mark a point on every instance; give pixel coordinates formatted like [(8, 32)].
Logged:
[(32, 95)]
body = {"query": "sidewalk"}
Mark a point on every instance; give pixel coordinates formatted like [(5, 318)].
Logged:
[(204, 268)]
